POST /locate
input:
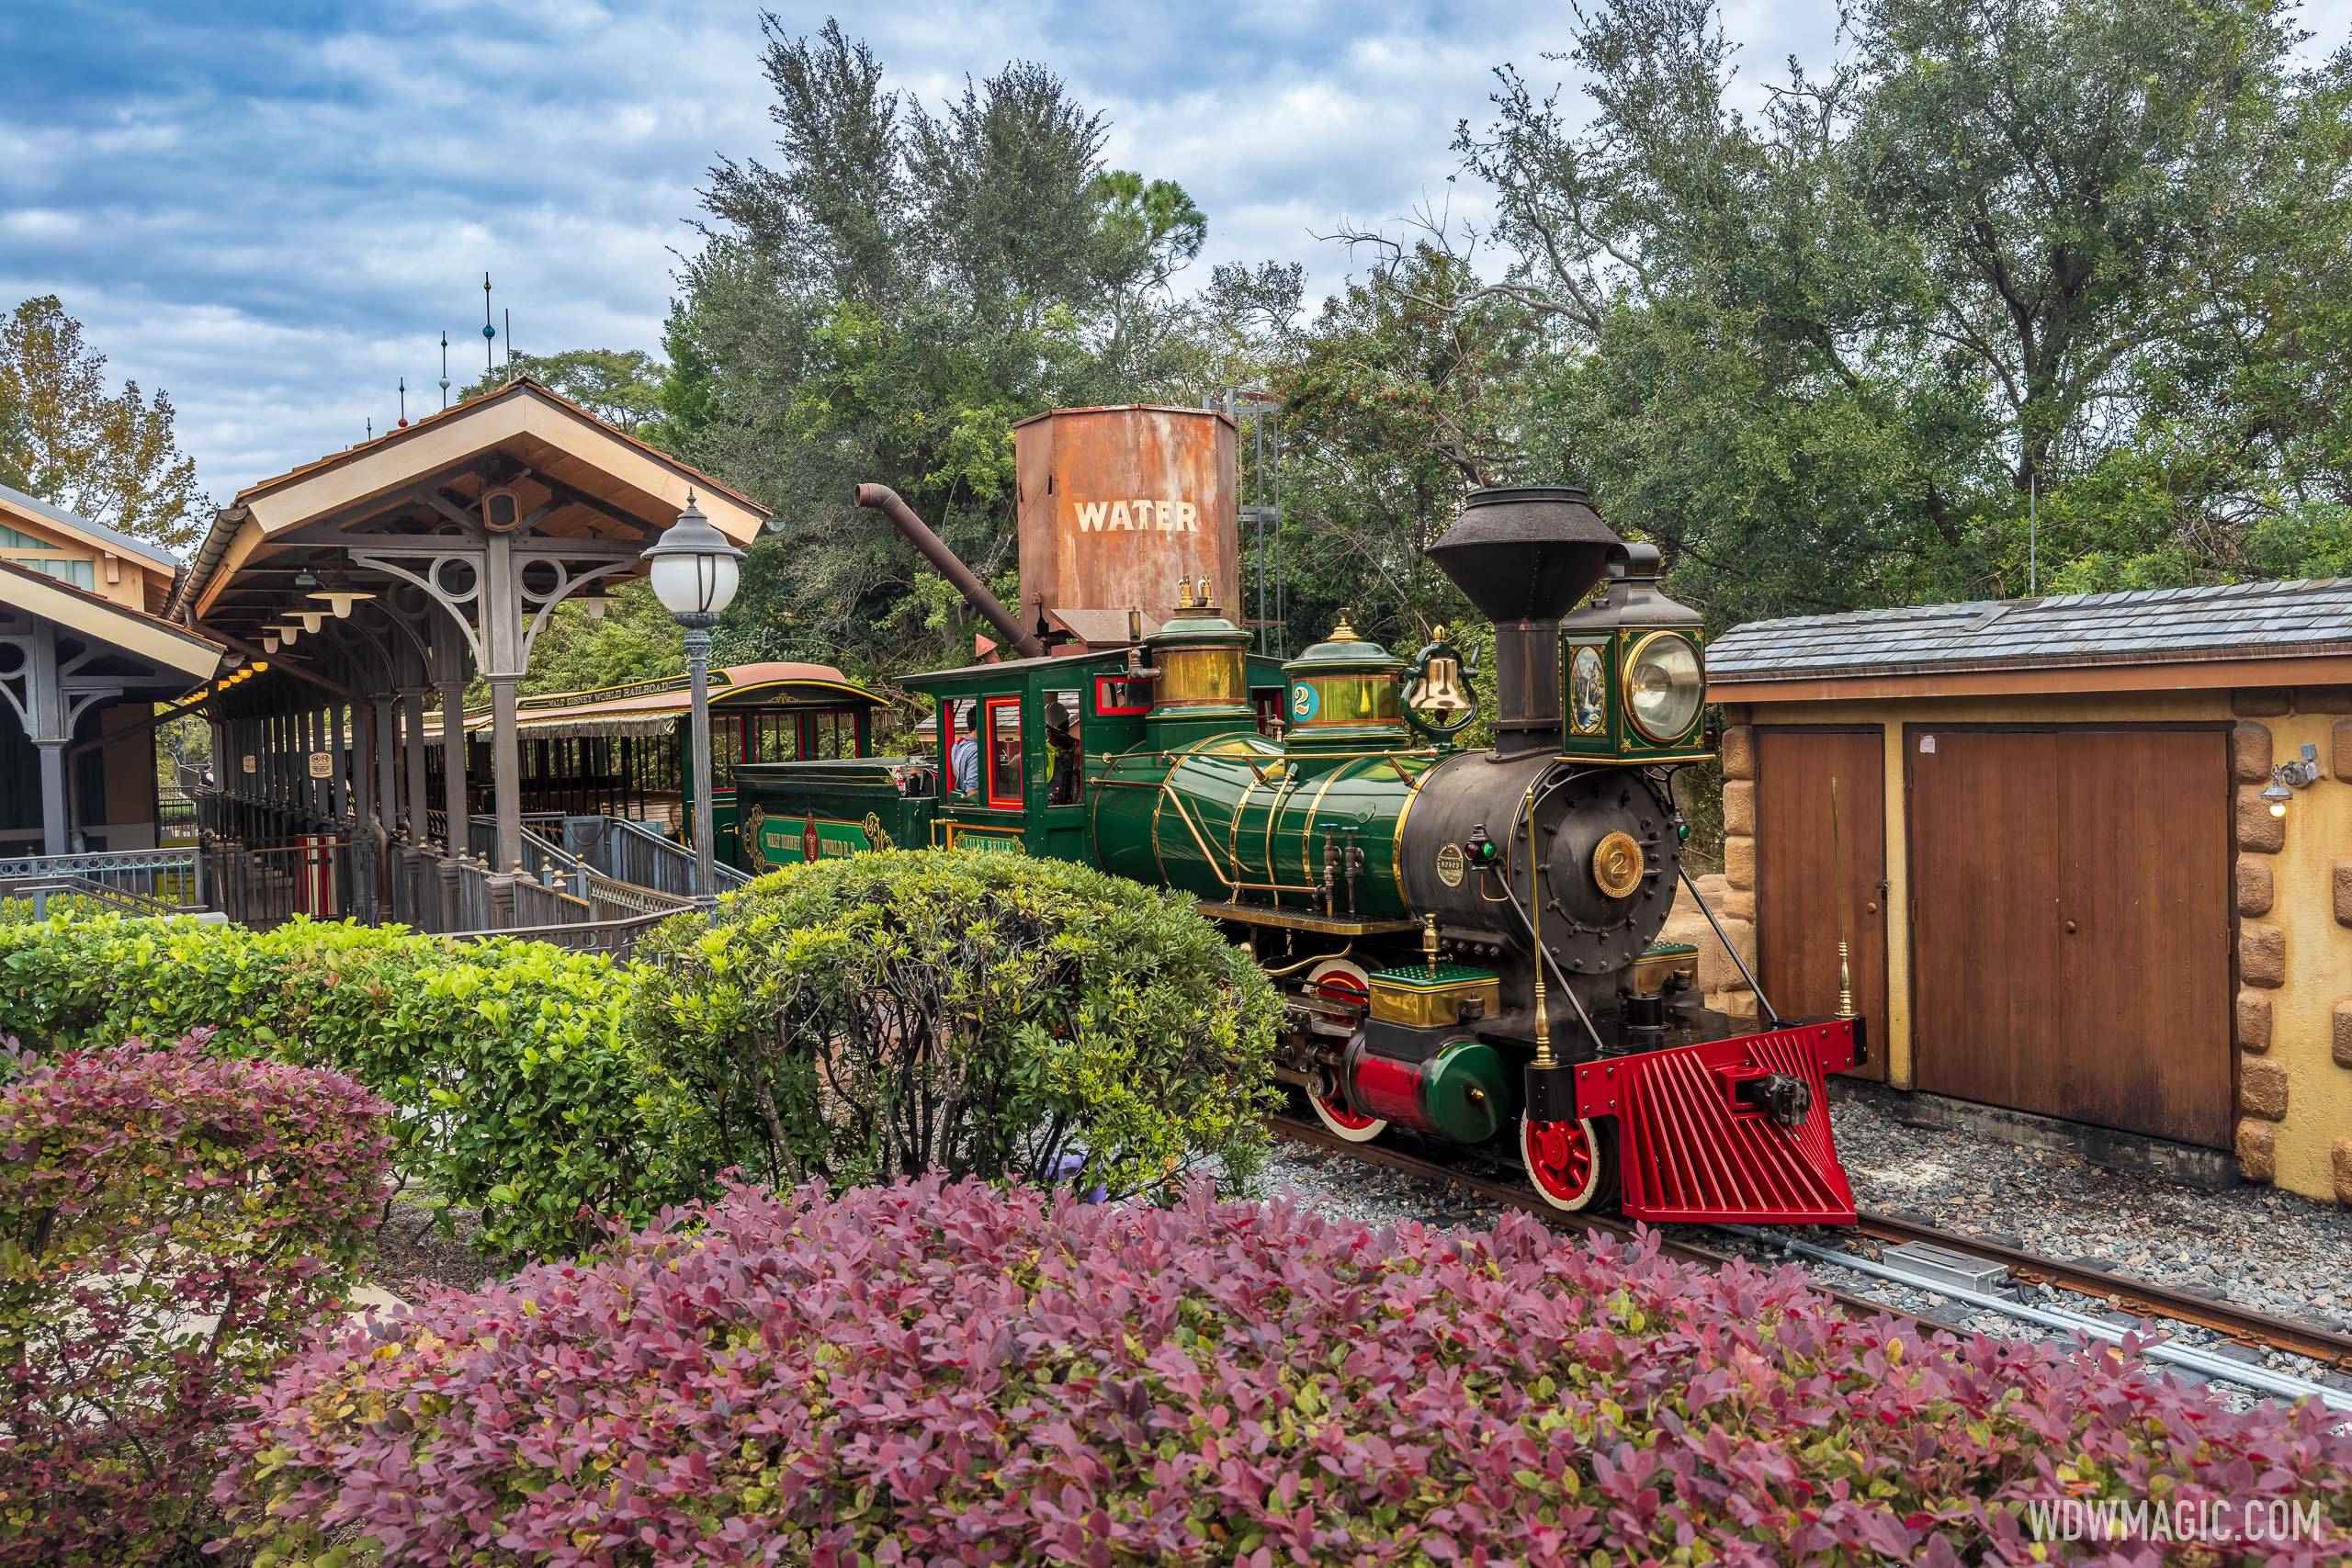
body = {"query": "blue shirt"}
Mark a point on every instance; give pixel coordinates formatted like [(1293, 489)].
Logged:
[(964, 763)]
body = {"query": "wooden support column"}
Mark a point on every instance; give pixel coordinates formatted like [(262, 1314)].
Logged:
[(339, 747), (387, 748), (312, 723), (47, 730), (502, 613), (412, 753)]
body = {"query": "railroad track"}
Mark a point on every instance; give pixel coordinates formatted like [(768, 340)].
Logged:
[(2144, 1297), (2140, 1297), (1505, 1194)]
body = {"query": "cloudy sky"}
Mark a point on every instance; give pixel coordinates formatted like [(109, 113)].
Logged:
[(273, 210)]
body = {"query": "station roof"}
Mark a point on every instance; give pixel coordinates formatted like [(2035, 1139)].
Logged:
[(149, 637), (584, 479), (2232, 635)]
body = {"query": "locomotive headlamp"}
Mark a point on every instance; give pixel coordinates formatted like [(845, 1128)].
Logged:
[(1664, 685)]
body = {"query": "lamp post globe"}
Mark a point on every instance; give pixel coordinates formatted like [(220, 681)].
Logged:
[(694, 570), (694, 573)]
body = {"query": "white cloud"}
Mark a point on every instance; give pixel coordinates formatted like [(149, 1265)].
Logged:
[(275, 222)]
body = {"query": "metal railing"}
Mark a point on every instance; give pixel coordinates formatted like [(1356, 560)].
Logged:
[(632, 853), (601, 877), (162, 881), (616, 937)]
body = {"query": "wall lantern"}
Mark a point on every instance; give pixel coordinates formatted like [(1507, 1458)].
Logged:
[(2288, 777)]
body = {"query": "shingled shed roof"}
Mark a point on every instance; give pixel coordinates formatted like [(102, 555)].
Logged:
[(2246, 632)]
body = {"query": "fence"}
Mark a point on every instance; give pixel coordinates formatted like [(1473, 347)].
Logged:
[(267, 886), (590, 882), (631, 852), (147, 881)]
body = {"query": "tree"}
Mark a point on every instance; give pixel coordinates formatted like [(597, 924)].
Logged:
[(110, 458), (2063, 257), (620, 386), (882, 302)]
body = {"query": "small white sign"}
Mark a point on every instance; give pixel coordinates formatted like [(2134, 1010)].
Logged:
[(322, 765), (1926, 745), (250, 766)]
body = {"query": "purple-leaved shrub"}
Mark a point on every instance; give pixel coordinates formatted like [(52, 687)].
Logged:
[(948, 1373), (172, 1225)]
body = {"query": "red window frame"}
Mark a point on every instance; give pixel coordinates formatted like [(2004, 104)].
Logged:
[(946, 749), (989, 794), (1106, 708)]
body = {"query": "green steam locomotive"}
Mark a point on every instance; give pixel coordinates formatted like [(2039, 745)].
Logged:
[(1466, 937)]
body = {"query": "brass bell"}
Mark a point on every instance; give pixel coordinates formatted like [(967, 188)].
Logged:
[(1441, 692)]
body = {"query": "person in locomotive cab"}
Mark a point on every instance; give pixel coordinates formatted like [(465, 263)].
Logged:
[(1061, 738), (963, 757)]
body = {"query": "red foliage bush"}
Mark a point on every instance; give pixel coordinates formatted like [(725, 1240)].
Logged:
[(950, 1374), (171, 1226)]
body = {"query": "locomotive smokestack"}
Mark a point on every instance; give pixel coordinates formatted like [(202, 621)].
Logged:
[(1524, 556)]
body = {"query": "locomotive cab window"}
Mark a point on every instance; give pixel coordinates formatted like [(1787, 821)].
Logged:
[(1119, 697), (726, 749), (775, 737), (835, 733), (1266, 702), (1064, 754), (960, 740), (1002, 747)]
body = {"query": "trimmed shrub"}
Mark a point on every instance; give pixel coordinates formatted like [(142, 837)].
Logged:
[(1000, 1016), (959, 1374), (518, 1088), (171, 1226), (852, 1020)]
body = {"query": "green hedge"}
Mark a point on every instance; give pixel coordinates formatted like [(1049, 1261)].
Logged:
[(859, 1020), (515, 1084), (1071, 1014)]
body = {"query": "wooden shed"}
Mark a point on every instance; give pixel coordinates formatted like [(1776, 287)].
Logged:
[(2068, 895)]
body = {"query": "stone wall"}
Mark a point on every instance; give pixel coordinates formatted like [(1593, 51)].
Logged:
[(1730, 891), (2293, 892)]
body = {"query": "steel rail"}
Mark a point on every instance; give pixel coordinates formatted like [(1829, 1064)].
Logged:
[(2191, 1358), (2227, 1318)]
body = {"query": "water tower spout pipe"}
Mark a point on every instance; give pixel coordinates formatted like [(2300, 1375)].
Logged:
[(888, 501)]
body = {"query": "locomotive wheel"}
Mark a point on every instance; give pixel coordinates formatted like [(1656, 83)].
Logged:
[(1568, 1163), (1341, 981)]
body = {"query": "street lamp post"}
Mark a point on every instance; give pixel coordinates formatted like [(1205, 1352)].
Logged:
[(695, 571)]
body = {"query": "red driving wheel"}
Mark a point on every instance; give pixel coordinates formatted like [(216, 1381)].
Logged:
[(1567, 1161), (1339, 981)]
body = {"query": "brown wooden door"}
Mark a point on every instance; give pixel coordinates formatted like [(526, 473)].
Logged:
[(1796, 897), (2070, 923)]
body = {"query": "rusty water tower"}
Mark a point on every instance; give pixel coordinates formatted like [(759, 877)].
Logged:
[(1118, 503)]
